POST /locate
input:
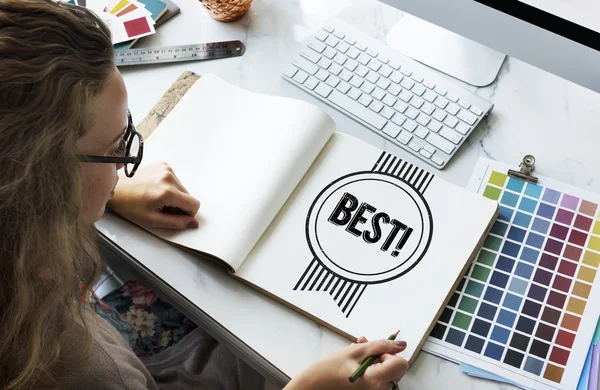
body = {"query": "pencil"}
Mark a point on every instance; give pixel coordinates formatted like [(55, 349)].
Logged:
[(367, 362)]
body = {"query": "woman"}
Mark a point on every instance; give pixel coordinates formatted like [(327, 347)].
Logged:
[(63, 110)]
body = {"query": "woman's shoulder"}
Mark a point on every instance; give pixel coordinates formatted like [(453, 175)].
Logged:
[(111, 364)]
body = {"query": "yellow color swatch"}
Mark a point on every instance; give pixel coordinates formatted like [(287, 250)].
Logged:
[(597, 228), (591, 258), (119, 6), (576, 305), (594, 243), (497, 178), (582, 290)]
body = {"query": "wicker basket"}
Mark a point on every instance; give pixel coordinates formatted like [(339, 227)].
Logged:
[(226, 10)]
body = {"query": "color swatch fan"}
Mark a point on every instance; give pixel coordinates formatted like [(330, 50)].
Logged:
[(127, 19), (528, 306)]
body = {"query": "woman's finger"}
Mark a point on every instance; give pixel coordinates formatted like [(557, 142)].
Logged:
[(379, 347), (391, 369), (180, 200)]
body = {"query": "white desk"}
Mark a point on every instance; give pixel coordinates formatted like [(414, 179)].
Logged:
[(535, 113)]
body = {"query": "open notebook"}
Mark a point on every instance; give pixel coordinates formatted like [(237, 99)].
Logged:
[(351, 236)]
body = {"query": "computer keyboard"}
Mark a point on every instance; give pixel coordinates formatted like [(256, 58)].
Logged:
[(396, 97)]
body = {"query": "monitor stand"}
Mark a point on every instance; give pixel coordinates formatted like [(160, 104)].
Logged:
[(445, 51)]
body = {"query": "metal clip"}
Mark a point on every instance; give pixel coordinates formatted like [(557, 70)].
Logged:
[(526, 167)]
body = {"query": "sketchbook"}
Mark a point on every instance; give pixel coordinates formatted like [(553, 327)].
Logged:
[(355, 238)]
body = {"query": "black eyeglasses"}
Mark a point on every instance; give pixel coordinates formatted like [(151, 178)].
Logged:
[(133, 144)]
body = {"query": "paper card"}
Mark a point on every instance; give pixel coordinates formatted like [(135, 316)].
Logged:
[(136, 14), (119, 6)]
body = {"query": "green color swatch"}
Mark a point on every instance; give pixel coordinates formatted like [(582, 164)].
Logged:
[(468, 304), (486, 257), (497, 178), (492, 243), (492, 193), (474, 288), (480, 273), (461, 321)]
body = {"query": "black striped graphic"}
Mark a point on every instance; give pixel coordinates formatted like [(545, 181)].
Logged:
[(344, 292)]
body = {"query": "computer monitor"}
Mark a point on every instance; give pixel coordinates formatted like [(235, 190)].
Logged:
[(559, 36)]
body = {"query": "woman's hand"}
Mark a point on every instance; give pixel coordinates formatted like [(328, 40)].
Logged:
[(333, 371), (154, 197)]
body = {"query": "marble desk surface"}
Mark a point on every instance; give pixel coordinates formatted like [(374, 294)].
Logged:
[(535, 113)]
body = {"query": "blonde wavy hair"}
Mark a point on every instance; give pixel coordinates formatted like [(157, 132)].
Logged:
[(54, 59)]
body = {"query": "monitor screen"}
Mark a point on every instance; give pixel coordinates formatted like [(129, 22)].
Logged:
[(577, 20)]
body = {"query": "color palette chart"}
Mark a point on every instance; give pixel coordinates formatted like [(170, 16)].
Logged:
[(527, 307)]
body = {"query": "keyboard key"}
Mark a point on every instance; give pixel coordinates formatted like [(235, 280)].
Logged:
[(464, 104), (392, 130), (476, 111), (367, 87), (342, 47), (440, 143), (416, 102), (389, 100), (418, 90), (328, 28), (343, 87), (322, 35), (353, 53), (441, 102), (339, 34), (357, 109), (394, 64), (374, 65), (317, 46), (400, 106), (354, 93), (372, 76), (290, 71), (399, 119), (462, 128), (429, 84), (361, 71), (340, 58), (396, 77), (411, 113), (423, 119), (323, 90), (429, 148), (439, 114), (329, 52), (332, 41), (356, 81), (421, 132), (440, 91), (425, 153), (407, 83), (430, 96), (387, 112), (363, 59), (322, 74), (305, 65), (300, 77), (452, 98), (414, 146), (409, 125), (333, 81), (324, 63), (437, 160), (405, 95), (346, 75), (335, 69), (350, 40), (453, 109), (417, 78), (404, 137), (385, 71), (405, 71), (311, 83), (372, 53), (383, 58), (451, 135), (365, 99), (434, 126), (383, 83), (360, 46), (350, 65), (394, 89), (376, 105), (451, 121), (467, 117), (428, 108), (378, 93)]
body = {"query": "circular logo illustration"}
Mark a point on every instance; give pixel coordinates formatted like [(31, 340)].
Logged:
[(369, 227)]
